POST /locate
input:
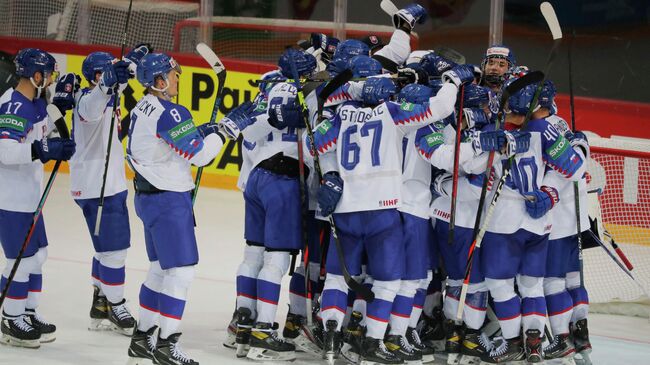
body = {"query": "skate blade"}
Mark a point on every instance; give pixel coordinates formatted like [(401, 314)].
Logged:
[(98, 325), (242, 350), (30, 344), (453, 359), (304, 344), (583, 358), (139, 361), (122, 331), (413, 362), (229, 342), (330, 357), (428, 359), (348, 355), (47, 337), (469, 360), (259, 354)]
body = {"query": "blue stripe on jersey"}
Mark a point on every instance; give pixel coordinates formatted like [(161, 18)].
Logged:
[(428, 139), (408, 113), (175, 126), (557, 151), (326, 135)]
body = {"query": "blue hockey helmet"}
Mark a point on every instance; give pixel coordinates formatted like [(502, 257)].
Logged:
[(475, 96), (304, 62), (350, 48), (547, 95), (364, 66), (336, 67), (31, 60), (154, 65), (435, 64), (95, 62), (519, 102), (415, 93), (377, 90), (499, 51)]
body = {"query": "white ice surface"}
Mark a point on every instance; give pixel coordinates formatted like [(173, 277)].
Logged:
[(67, 291)]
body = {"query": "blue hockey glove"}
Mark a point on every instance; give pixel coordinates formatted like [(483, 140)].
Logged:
[(579, 139), (53, 149), (135, 55), (459, 75), (475, 118), (518, 142), (117, 72), (286, 115), (376, 90), (66, 87), (488, 141), (207, 129), (435, 64), (237, 120), (323, 42), (439, 178), (414, 76), (405, 18), (329, 193), (538, 202)]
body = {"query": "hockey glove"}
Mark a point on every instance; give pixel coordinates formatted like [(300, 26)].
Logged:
[(329, 193), (414, 76), (488, 141), (475, 118), (64, 91), (53, 149), (286, 115), (405, 18), (518, 142), (135, 55), (538, 202), (207, 129), (236, 120), (117, 72), (435, 64), (579, 139), (324, 43), (439, 178), (376, 90), (459, 75)]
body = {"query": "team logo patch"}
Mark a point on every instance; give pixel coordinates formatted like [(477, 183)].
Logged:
[(558, 148), (324, 127), (435, 139), (407, 106), (13, 122), (182, 130), (261, 106), (373, 39)]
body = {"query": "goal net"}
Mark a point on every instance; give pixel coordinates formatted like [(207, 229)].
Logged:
[(619, 184)]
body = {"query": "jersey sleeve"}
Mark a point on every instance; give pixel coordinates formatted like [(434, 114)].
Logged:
[(16, 121), (176, 127), (431, 146), (398, 49), (410, 116), (558, 153), (351, 91), (92, 104), (326, 135)]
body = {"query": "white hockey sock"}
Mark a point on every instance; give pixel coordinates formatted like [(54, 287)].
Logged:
[(559, 304), (402, 308), (334, 299), (475, 306), (579, 296), (149, 297), (112, 274), (450, 302), (36, 279), (276, 264), (16, 299), (247, 274), (297, 294), (507, 305), (378, 311), (533, 304), (176, 282)]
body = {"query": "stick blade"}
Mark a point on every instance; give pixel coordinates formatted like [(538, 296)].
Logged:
[(529, 78), (551, 19), (388, 7), (55, 114), (210, 57), (335, 83), (450, 54)]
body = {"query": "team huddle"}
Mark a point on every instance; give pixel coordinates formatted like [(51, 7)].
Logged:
[(380, 183)]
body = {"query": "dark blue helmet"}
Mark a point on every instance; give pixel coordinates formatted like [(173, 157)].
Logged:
[(519, 102), (364, 66), (547, 96), (304, 62), (350, 48), (336, 67), (499, 51), (475, 96), (154, 65), (436, 65), (415, 93), (95, 62), (31, 60)]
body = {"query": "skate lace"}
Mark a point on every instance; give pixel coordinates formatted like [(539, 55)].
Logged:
[(151, 343), (405, 344), (121, 312), (551, 346), (416, 338), (178, 353), (484, 340), (383, 349), (38, 319), (22, 324), (274, 335), (502, 349)]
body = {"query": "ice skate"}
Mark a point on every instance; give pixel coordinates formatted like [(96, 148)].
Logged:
[(353, 338), (243, 331), (99, 312), (431, 330), (265, 344), (475, 345), (560, 348), (376, 353), (169, 352), (580, 334), (508, 351), (231, 333), (292, 326), (16, 331), (121, 320), (454, 338), (142, 346), (331, 342), (48, 330), (400, 347), (414, 340), (533, 345)]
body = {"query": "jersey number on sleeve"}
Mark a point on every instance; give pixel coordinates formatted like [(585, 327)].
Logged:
[(350, 153)]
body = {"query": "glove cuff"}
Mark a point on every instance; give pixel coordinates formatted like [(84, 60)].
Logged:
[(552, 194)]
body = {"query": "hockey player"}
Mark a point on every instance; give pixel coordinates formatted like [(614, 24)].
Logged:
[(24, 148), (498, 60), (516, 241), (91, 127), (361, 161), (163, 144), (566, 300)]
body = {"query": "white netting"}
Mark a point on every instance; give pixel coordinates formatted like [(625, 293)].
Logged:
[(151, 21), (620, 167), (262, 40)]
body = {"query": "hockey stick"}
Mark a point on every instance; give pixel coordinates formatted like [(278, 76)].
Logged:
[(213, 60), (454, 189), (554, 26), (337, 82), (116, 102), (55, 115), (388, 7), (576, 188), (618, 251)]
